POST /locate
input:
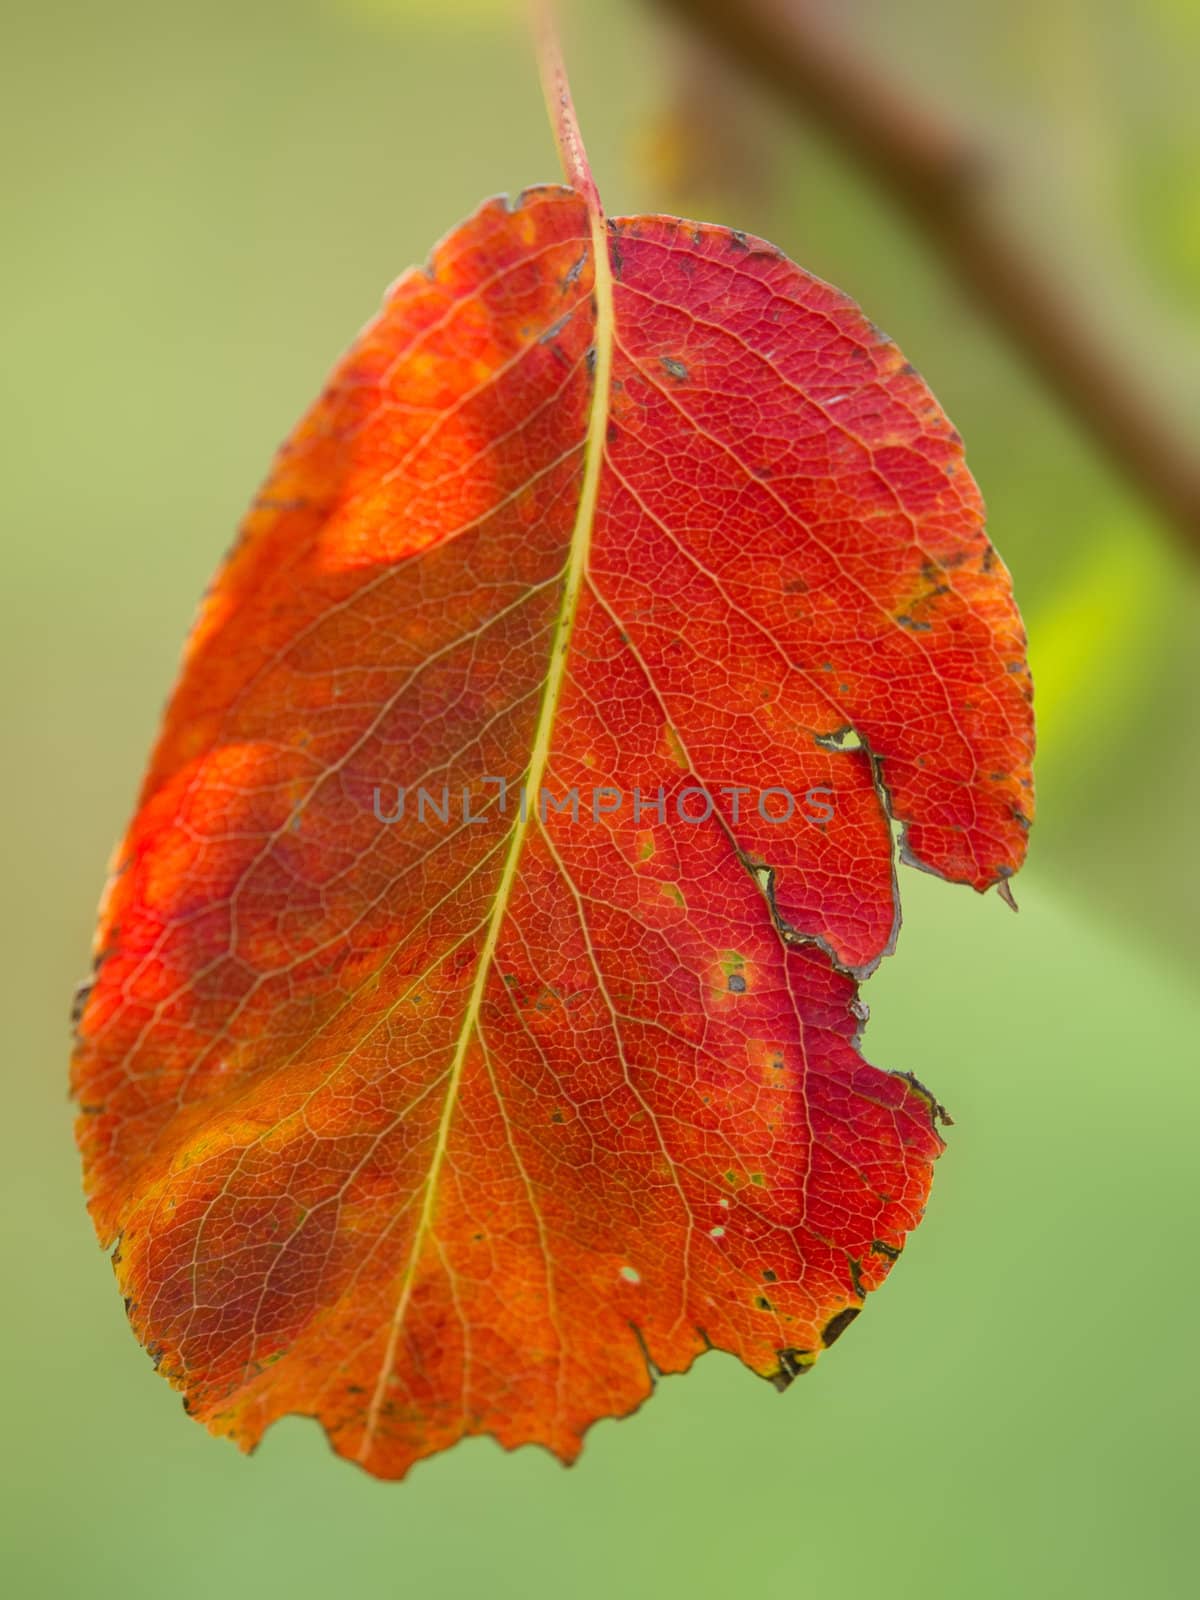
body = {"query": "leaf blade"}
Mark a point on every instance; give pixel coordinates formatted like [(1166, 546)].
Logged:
[(436, 1137)]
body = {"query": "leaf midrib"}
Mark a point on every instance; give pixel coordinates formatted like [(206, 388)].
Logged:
[(574, 574)]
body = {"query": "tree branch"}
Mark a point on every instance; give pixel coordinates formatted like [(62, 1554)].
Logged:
[(934, 175)]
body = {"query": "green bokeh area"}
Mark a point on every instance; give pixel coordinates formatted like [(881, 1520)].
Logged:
[(204, 204)]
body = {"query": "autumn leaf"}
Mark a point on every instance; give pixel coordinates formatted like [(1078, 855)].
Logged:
[(474, 1028)]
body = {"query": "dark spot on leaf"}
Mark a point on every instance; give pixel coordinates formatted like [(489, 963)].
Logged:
[(880, 1248), (763, 1303), (836, 1326), (574, 271), (555, 328), (769, 1275), (79, 1001), (737, 983), (653, 1371), (937, 1111), (792, 1364), (675, 368)]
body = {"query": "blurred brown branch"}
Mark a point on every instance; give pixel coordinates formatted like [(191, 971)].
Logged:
[(938, 179)]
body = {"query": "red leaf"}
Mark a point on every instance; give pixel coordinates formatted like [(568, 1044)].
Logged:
[(438, 1127)]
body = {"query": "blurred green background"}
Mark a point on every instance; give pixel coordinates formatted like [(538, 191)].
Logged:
[(204, 203)]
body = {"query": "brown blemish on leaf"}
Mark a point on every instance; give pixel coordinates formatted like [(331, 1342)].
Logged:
[(836, 1326)]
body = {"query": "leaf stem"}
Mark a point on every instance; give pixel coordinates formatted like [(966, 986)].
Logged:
[(561, 107)]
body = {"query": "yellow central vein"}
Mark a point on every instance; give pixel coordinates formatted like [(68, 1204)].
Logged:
[(574, 573)]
